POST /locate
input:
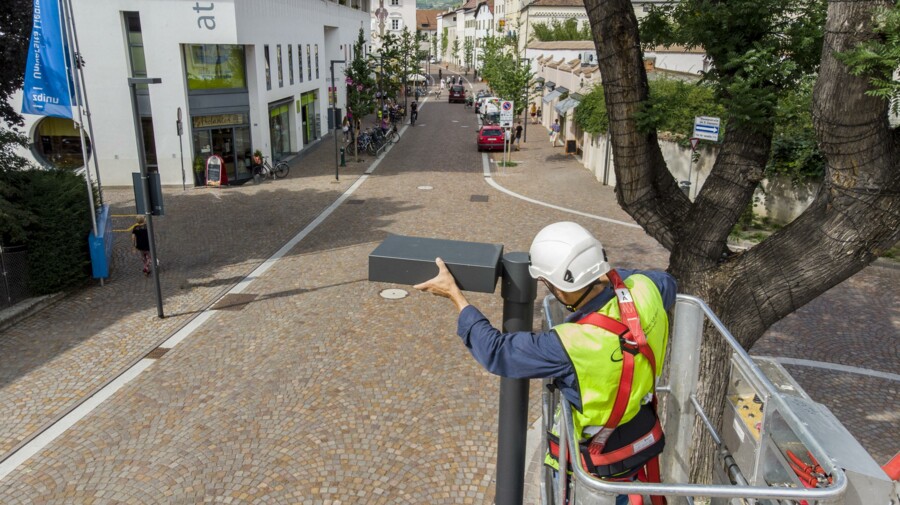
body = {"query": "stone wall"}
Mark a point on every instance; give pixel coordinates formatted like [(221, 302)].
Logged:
[(778, 199)]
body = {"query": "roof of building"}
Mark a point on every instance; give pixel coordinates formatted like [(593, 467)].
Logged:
[(576, 45), (426, 19), (555, 3)]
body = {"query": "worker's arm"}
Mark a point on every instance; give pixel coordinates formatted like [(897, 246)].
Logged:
[(518, 355)]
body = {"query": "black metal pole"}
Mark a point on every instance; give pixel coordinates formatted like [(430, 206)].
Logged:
[(145, 190), (519, 291)]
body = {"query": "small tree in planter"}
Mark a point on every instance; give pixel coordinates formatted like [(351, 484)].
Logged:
[(199, 171)]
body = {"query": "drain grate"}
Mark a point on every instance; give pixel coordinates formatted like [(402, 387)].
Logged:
[(236, 301), (355, 202), (478, 198), (157, 353)]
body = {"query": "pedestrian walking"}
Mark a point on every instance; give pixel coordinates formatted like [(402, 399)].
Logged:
[(533, 113), (518, 137), (554, 133), (345, 127), (604, 358), (140, 239)]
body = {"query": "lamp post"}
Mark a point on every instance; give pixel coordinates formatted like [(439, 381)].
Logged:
[(336, 122), (133, 83)]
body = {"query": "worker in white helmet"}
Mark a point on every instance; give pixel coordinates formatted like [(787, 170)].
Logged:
[(619, 323)]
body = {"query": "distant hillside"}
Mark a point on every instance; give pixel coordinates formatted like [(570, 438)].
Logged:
[(436, 4)]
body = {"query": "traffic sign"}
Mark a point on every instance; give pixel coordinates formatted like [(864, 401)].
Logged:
[(694, 142), (706, 128), (506, 113)]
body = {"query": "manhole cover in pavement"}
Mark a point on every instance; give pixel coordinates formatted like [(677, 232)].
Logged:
[(237, 301), (478, 198), (393, 294), (157, 353), (425, 188)]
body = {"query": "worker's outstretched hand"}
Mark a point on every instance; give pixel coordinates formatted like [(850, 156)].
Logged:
[(444, 285)]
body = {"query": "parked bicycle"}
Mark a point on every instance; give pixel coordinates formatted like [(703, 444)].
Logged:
[(264, 170)]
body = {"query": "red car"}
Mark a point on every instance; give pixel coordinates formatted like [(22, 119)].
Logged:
[(457, 94), (490, 137)]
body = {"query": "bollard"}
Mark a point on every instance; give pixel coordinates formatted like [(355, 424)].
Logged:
[(518, 291), (343, 162)]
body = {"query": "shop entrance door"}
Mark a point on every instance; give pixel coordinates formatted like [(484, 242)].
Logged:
[(232, 144), (305, 126)]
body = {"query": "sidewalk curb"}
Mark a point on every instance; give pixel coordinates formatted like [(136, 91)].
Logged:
[(28, 307)]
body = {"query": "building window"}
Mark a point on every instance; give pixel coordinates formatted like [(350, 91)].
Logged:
[(291, 63), (211, 66), (317, 61), (395, 3), (300, 60), (268, 69), (58, 144), (136, 46), (308, 62), (395, 24), (278, 62)]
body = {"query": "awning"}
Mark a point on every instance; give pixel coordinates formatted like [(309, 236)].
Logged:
[(565, 105), (553, 95)]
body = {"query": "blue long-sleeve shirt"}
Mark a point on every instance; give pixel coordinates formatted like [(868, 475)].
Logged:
[(533, 355)]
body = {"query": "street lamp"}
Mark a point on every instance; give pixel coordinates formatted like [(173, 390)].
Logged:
[(133, 83), (335, 119)]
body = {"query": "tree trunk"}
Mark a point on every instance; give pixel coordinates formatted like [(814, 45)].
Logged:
[(855, 215)]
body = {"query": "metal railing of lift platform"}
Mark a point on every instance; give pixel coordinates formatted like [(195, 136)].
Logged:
[(691, 316)]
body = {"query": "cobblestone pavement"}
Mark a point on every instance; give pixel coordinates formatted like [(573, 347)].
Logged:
[(309, 387)]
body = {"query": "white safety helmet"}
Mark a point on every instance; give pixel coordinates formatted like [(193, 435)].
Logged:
[(567, 256)]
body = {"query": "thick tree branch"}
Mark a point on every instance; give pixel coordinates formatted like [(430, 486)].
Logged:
[(857, 211), (645, 188)]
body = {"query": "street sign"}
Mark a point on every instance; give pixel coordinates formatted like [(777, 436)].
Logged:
[(506, 113), (694, 142), (706, 128)]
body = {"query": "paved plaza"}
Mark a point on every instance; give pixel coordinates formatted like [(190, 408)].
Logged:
[(291, 380)]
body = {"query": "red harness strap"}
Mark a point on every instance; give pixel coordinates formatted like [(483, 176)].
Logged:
[(629, 326)]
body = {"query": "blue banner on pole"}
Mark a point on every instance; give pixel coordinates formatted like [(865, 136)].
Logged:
[(47, 90)]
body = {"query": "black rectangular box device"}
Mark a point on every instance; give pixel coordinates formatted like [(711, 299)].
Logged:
[(410, 260)]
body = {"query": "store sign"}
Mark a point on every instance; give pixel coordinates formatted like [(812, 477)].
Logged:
[(218, 120)]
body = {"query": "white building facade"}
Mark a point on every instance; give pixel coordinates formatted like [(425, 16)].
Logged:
[(246, 75), (395, 14)]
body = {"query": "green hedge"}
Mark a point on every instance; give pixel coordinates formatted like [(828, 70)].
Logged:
[(56, 236)]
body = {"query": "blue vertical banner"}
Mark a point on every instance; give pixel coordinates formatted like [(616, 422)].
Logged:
[(47, 85)]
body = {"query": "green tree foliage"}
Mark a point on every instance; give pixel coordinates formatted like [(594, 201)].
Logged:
[(561, 30), (673, 104), (468, 53), (434, 44), (591, 115), (455, 57), (504, 72), (388, 65), (749, 79), (879, 59), (15, 31), (360, 84), (445, 42)]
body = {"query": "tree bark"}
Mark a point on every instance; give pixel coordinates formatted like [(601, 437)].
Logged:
[(855, 215)]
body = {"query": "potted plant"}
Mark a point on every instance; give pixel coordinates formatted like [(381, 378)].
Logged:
[(199, 171)]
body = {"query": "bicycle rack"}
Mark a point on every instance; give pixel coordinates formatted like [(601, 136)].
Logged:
[(752, 465)]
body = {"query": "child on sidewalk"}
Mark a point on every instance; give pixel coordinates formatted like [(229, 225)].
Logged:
[(141, 242)]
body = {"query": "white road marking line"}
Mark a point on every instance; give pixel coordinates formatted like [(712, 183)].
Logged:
[(28, 450), (486, 166)]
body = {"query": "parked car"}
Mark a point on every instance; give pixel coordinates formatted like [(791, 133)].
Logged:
[(457, 94), (479, 103), (490, 138)]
